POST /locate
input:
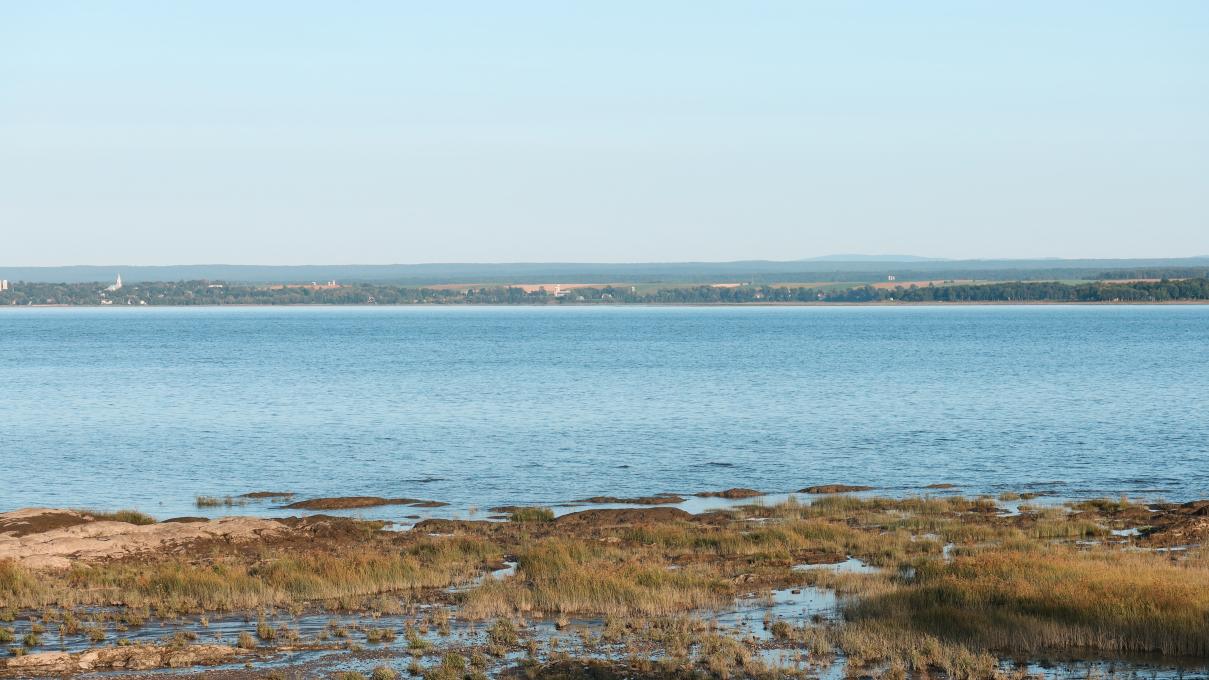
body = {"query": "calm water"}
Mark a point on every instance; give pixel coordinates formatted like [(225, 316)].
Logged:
[(477, 406)]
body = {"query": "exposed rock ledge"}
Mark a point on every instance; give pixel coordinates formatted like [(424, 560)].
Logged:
[(834, 488), (133, 657), (41, 538)]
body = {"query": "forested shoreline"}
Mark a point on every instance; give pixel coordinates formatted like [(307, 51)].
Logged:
[(187, 293)]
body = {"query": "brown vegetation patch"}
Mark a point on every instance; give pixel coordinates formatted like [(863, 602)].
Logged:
[(268, 494), (353, 502), (439, 525), (1178, 525), (834, 488), (329, 527), (660, 499), (597, 669), (732, 494), (604, 517), (941, 485), (28, 521)]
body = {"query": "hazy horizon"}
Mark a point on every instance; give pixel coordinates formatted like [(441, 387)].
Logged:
[(292, 133)]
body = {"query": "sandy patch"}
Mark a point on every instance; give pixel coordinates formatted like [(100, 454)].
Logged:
[(88, 540)]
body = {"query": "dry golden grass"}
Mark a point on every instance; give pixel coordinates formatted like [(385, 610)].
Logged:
[(1054, 598), (1023, 584), (276, 578), (128, 516), (573, 576), (876, 644)]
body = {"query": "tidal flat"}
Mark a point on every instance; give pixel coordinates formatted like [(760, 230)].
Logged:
[(812, 585)]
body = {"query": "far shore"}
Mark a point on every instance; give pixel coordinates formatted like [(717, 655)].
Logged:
[(931, 303)]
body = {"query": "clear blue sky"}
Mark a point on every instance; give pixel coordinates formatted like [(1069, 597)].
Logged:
[(306, 132)]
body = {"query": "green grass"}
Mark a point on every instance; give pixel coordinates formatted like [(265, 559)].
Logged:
[(531, 514)]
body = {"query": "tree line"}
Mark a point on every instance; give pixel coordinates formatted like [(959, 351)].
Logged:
[(219, 293)]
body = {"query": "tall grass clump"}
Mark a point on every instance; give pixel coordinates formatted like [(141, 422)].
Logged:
[(531, 514), (572, 576), (219, 501), (127, 516), (1052, 598)]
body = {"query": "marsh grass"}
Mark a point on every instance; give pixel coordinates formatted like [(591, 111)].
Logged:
[(564, 575), (1025, 584), (1106, 506), (379, 635), (219, 501), (771, 547), (127, 516), (349, 579), (502, 633), (383, 673), (868, 644), (531, 514), (1053, 598)]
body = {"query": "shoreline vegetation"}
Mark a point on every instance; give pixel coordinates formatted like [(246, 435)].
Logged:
[(218, 293), (943, 586)]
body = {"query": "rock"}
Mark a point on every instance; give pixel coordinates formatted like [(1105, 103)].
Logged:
[(942, 485), (42, 663), (28, 521), (623, 516), (1195, 508), (351, 502), (732, 494), (45, 562), (268, 494), (834, 488), (134, 657), (1177, 525), (661, 499), (97, 540)]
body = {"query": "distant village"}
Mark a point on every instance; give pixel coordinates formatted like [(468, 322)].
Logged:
[(214, 293)]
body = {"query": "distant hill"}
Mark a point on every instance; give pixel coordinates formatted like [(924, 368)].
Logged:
[(757, 271), (873, 258)]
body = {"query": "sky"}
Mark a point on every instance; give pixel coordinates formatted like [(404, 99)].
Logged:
[(299, 132)]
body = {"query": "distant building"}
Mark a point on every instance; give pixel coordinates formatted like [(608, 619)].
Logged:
[(891, 277), (117, 285), (3, 285)]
